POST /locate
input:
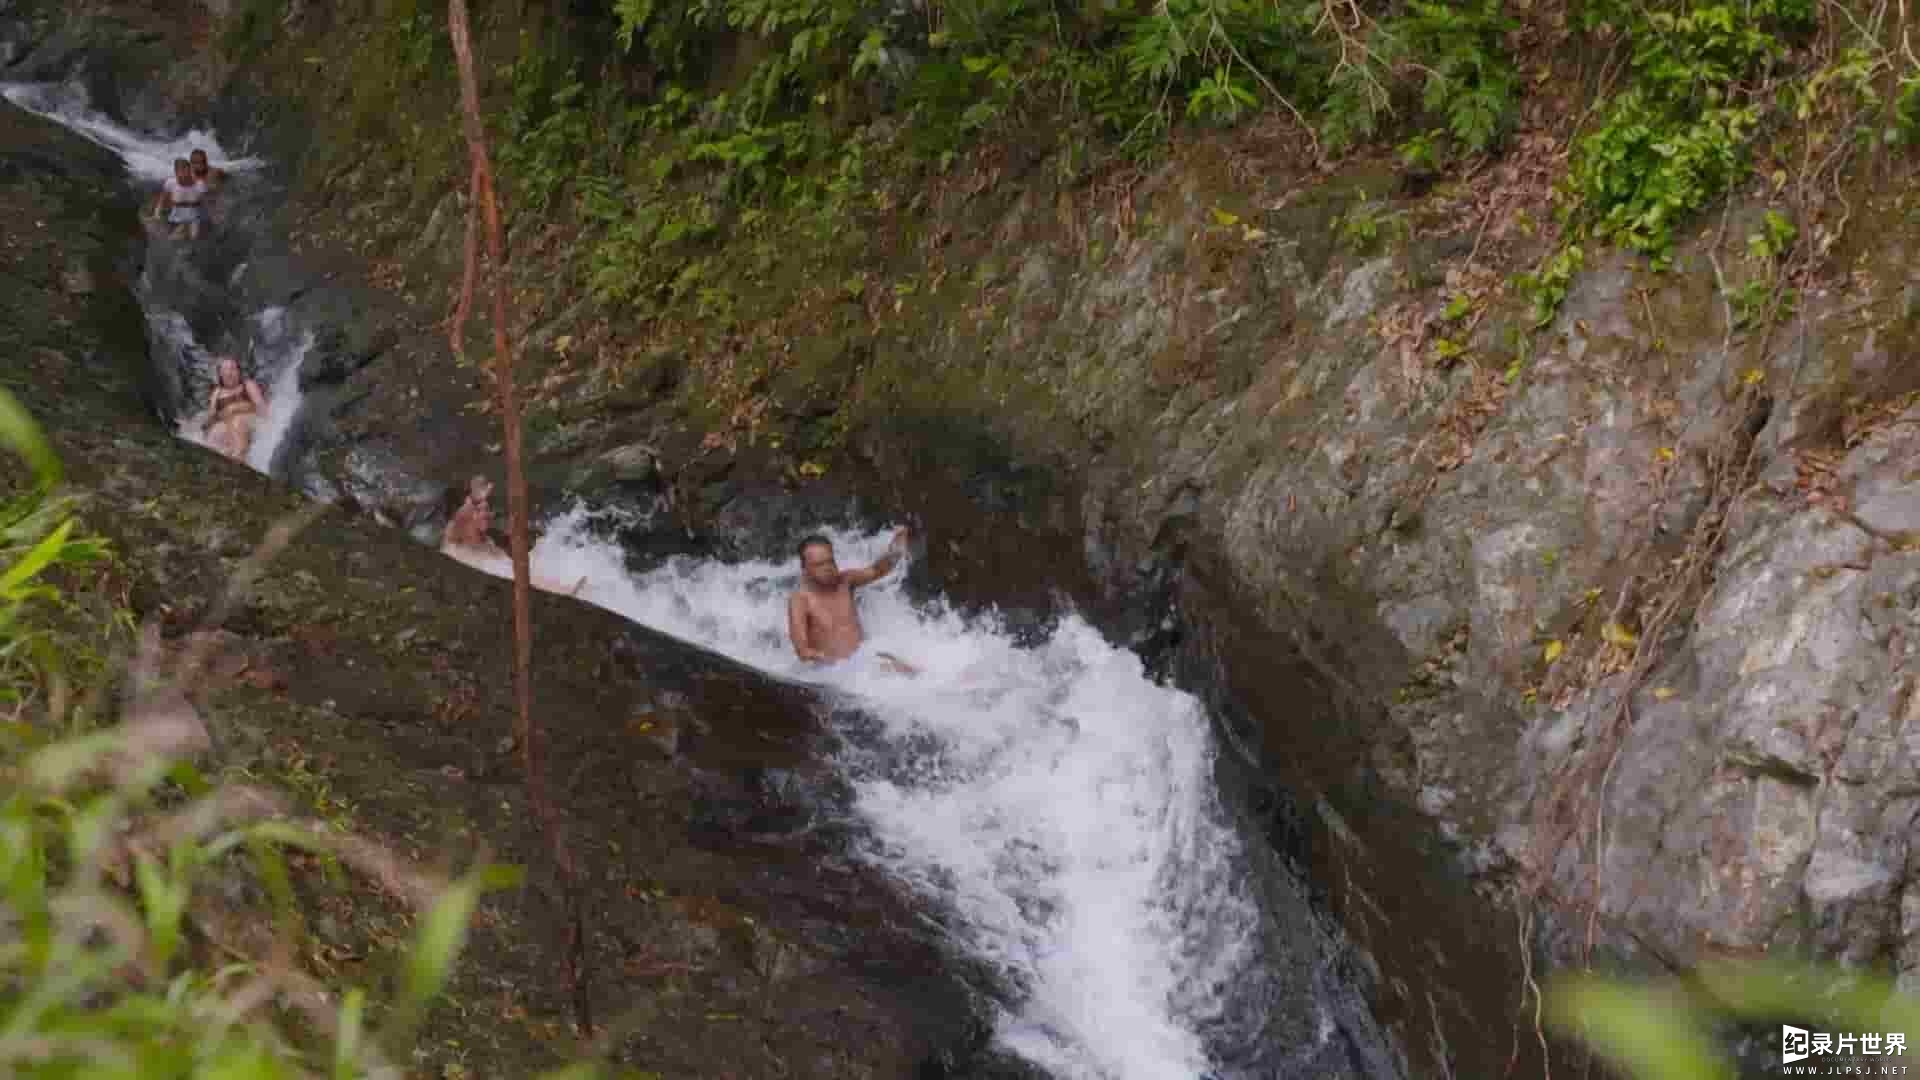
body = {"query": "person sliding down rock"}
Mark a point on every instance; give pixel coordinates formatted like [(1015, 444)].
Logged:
[(182, 201), (468, 531), (232, 410), (821, 618), (467, 536)]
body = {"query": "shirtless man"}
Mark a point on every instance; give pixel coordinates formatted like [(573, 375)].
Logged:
[(821, 619), (468, 535), (232, 409), (182, 201)]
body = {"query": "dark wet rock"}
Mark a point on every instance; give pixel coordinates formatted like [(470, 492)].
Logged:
[(758, 522), (273, 279), (633, 463), (17, 38), (374, 480), (763, 806), (335, 357)]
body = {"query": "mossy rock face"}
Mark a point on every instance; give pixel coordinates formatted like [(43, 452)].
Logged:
[(1311, 217)]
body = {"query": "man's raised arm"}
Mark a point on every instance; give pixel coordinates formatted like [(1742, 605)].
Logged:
[(882, 566)]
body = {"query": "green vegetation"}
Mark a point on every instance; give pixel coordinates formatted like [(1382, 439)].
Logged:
[(1547, 286), (1677, 135), (116, 958), (1766, 294), (668, 129), (716, 153), (792, 140), (1709, 84), (1668, 1032), (1468, 85), (50, 639)]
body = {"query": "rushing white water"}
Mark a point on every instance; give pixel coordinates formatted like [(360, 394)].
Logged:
[(148, 159), (1058, 801)]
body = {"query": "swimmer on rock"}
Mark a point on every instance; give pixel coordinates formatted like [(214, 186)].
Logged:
[(467, 536)]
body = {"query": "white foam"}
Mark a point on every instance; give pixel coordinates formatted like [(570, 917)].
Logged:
[(148, 158), (283, 401), (1059, 801)]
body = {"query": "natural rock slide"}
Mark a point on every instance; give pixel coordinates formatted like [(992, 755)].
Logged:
[(1018, 863)]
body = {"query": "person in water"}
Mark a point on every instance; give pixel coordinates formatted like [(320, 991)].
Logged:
[(821, 619), (232, 409), (183, 201), (469, 529), (204, 172), (469, 535)]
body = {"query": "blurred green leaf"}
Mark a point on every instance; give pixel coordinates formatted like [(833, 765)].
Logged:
[(346, 1047), (1654, 1038), (441, 936), (27, 566), (21, 434)]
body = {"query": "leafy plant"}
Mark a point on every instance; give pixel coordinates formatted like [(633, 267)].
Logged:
[(1765, 293), (1361, 228), (1467, 79), (1546, 286), (1905, 129), (1774, 239), (47, 638), (1662, 1033), (1678, 135), (102, 973), (1221, 97), (550, 131), (1467, 87)]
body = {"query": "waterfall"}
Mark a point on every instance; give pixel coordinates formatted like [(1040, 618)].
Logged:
[(271, 350)]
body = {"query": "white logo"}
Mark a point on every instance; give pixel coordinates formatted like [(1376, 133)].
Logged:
[(1793, 1044), (1798, 1044)]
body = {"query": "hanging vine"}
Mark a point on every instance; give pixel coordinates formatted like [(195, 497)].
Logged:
[(483, 201)]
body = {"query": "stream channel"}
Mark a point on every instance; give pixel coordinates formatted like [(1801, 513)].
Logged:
[(1053, 808)]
